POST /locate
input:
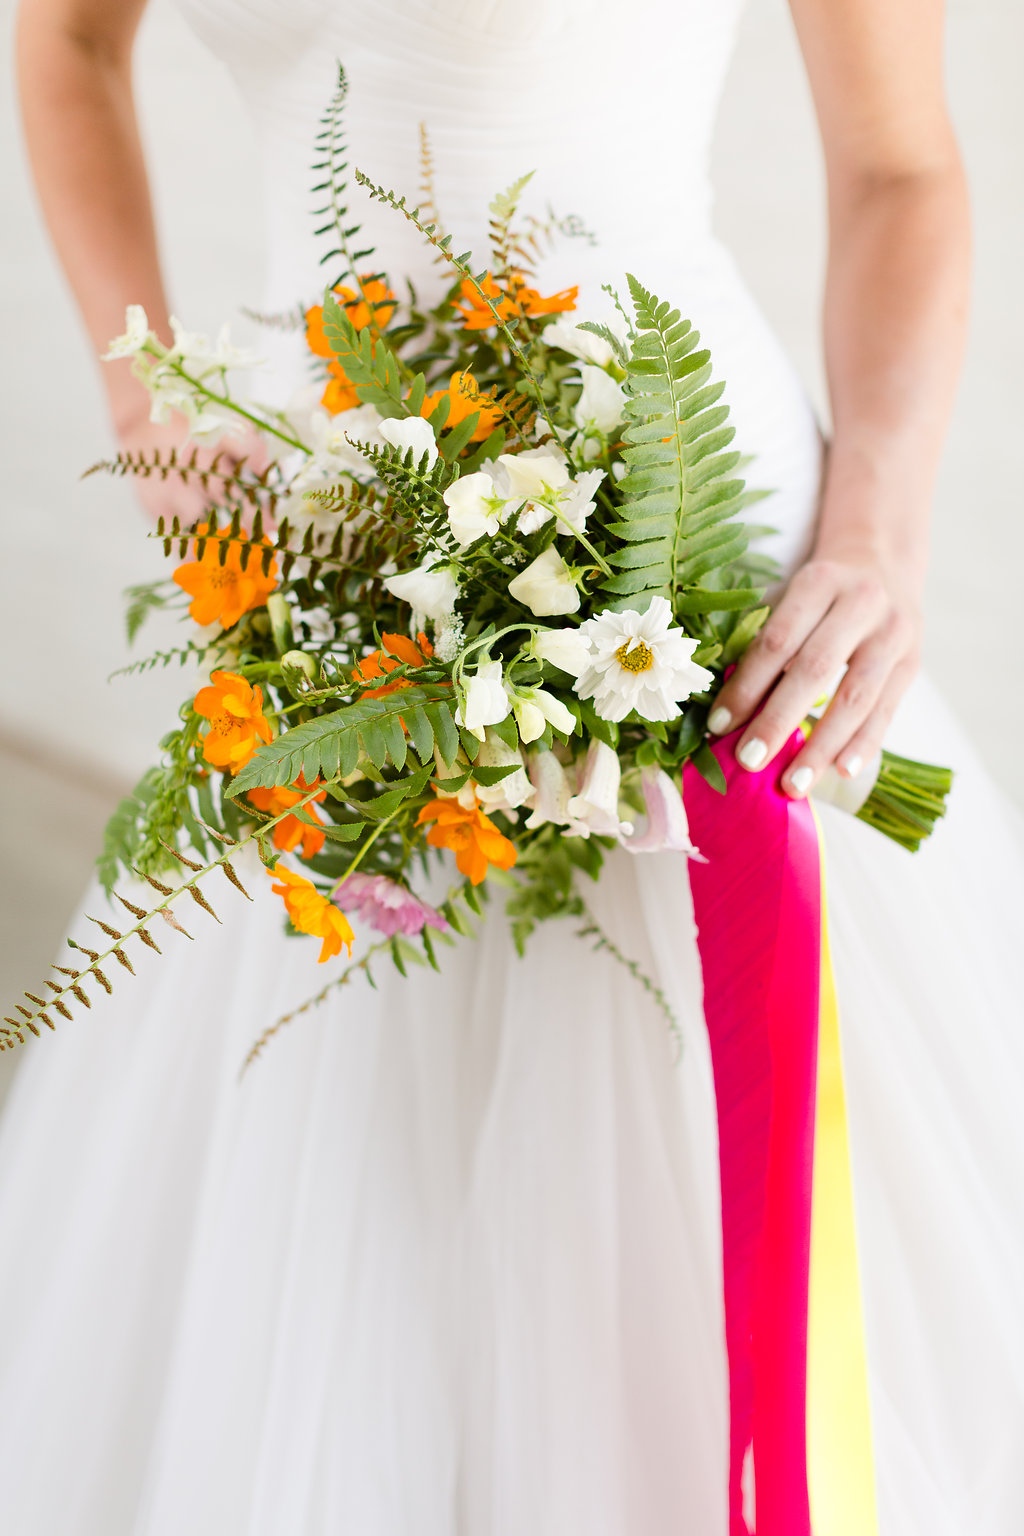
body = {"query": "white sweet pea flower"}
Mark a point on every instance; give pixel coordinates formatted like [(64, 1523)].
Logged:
[(667, 828), (484, 701), (552, 790), (638, 661), (411, 432), (534, 708), (602, 403), (566, 649), (585, 345), (430, 590), (594, 808), (136, 335), (510, 792), (546, 586), (476, 506), (540, 480)]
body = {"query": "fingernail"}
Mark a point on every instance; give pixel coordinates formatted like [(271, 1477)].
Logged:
[(719, 720), (800, 781), (851, 766), (753, 753)]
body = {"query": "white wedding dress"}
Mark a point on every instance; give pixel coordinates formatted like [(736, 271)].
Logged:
[(447, 1261)]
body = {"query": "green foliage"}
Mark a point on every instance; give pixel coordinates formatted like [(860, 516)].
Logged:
[(331, 165), (373, 368), (144, 600), (678, 520), (329, 746)]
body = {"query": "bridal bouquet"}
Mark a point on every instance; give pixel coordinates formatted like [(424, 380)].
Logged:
[(472, 608)]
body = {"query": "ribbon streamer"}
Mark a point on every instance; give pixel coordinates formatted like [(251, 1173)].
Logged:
[(759, 912)]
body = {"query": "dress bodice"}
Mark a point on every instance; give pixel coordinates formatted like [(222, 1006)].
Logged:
[(612, 106)]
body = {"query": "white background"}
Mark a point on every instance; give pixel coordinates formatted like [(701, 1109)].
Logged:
[(68, 740)]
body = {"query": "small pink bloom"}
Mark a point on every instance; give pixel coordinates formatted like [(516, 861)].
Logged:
[(387, 906), (666, 819)]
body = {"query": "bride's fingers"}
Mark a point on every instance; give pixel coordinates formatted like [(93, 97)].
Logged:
[(808, 676), (857, 700), (801, 609)]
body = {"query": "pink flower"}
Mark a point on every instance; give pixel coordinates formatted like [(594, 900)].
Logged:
[(386, 905), (666, 819)]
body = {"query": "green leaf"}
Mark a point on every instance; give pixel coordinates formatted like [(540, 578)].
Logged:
[(330, 745), (709, 768), (744, 632), (367, 360)]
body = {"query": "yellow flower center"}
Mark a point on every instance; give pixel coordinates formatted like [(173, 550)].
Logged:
[(639, 659)]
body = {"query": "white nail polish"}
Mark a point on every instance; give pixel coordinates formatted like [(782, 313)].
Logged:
[(851, 766), (800, 781), (753, 753), (719, 720)]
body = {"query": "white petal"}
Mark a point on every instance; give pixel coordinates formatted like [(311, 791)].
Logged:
[(411, 432)]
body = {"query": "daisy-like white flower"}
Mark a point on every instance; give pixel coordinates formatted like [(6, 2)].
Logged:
[(412, 432), (639, 661), (485, 701), (546, 586), (476, 506)]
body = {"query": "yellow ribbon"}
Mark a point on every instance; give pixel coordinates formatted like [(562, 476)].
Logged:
[(840, 1461)]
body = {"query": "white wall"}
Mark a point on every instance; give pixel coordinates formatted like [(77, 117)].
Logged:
[(70, 547)]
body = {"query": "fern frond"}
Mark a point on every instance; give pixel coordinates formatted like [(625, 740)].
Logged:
[(230, 474), (428, 189), (179, 653), (330, 168), (293, 319), (329, 746), (368, 362), (502, 211), (678, 520)]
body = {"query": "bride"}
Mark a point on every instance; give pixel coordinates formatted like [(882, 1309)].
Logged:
[(447, 1262)]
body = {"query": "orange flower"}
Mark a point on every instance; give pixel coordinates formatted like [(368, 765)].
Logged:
[(340, 393), (472, 837), (312, 913), (235, 712), (396, 650), (376, 302), (222, 593), (291, 831), (511, 301), (462, 393)]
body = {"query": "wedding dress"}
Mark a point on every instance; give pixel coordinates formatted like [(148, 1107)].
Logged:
[(446, 1261)]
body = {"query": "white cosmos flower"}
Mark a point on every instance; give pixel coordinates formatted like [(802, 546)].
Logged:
[(552, 790), (136, 334), (602, 403), (639, 661), (546, 586), (594, 808), (476, 506), (667, 828), (566, 649), (534, 708), (484, 701), (197, 355), (567, 334), (513, 790), (430, 589), (411, 432)]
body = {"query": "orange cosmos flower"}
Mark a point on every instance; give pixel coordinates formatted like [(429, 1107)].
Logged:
[(291, 831), (470, 834), (222, 593), (396, 650), (511, 301), (312, 913), (462, 395), (235, 712), (375, 304), (340, 393)]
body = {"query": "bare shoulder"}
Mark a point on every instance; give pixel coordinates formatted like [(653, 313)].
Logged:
[(876, 72)]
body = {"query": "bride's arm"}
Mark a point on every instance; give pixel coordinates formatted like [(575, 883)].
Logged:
[(895, 319), (74, 74)]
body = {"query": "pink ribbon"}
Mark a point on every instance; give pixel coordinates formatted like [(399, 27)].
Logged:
[(757, 903)]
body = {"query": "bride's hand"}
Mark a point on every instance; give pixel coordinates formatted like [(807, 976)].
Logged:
[(835, 613), (174, 495)]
